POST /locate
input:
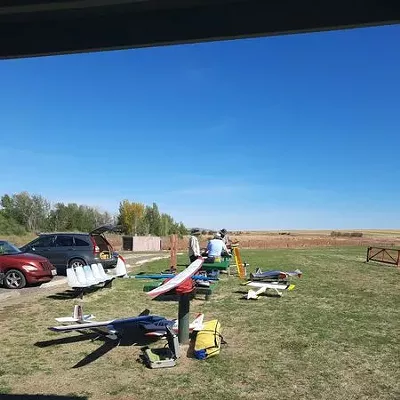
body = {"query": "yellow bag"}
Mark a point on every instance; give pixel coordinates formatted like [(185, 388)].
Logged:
[(208, 340)]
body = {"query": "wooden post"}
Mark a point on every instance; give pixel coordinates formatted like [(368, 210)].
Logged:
[(368, 250), (183, 318), (173, 257)]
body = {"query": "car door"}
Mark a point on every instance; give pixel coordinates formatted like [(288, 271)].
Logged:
[(63, 250), (42, 246)]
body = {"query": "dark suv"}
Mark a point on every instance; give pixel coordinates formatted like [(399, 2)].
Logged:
[(74, 249)]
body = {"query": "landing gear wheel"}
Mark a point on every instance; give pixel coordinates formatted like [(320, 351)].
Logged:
[(14, 279)]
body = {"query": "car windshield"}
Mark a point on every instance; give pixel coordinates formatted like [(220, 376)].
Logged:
[(8, 248)]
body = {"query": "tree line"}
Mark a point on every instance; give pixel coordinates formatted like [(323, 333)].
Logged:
[(22, 213), (139, 219)]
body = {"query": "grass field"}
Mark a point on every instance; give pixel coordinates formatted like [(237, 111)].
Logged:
[(335, 336)]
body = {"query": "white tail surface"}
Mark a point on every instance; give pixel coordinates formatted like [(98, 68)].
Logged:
[(120, 269), (197, 324), (96, 273), (252, 295), (77, 316), (89, 275), (86, 325)]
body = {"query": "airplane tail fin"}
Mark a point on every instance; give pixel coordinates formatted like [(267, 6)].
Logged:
[(77, 316), (296, 272), (299, 273), (144, 312), (251, 295), (197, 323), (78, 312)]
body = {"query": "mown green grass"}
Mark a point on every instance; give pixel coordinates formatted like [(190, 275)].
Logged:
[(335, 336)]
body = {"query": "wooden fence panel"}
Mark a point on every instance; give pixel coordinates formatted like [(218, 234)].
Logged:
[(387, 256)]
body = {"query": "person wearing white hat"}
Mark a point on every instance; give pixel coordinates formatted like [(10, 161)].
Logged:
[(194, 246)]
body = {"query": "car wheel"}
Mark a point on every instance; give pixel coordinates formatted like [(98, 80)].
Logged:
[(14, 279), (76, 262)]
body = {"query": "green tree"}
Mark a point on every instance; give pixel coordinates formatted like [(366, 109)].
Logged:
[(131, 216), (8, 226), (74, 217), (182, 230), (29, 211), (153, 219), (135, 218), (166, 222)]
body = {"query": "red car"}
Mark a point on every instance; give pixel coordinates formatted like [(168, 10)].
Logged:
[(17, 269)]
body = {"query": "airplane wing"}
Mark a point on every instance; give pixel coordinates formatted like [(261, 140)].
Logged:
[(178, 279), (196, 325), (144, 320), (268, 285), (85, 318), (263, 287)]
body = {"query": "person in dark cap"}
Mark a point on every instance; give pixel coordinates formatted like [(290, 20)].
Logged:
[(224, 236), (194, 246)]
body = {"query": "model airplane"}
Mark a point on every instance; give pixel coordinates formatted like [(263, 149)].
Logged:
[(274, 275), (264, 286), (170, 275), (150, 325), (177, 279)]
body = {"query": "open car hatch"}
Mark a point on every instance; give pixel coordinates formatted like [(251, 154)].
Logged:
[(105, 228)]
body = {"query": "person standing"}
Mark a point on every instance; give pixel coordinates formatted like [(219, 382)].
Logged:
[(194, 245), (224, 236)]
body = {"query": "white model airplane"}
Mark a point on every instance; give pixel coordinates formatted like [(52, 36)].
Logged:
[(264, 286)]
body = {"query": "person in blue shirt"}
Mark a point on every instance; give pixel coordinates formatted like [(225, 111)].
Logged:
[(215, 248)]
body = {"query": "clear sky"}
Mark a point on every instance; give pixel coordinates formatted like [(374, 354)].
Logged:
[(289, 132)]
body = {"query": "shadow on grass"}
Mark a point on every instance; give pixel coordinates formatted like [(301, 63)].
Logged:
[(67, 340), (172, 297), (74, 294), (40, 397), (130, 337), (190, 350)]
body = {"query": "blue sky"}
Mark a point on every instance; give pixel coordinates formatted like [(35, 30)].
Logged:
[(289, 132)]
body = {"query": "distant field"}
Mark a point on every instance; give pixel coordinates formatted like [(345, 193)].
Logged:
[(368, 232), (334, 337), (273, 239)]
